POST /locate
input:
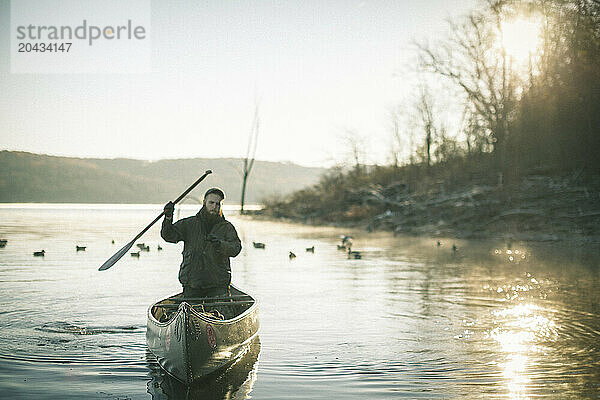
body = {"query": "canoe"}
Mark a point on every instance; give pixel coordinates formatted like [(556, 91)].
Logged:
[(233, 382), (194, 337)]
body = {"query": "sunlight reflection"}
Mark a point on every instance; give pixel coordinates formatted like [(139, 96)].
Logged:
[(520, 330), (511, 255)]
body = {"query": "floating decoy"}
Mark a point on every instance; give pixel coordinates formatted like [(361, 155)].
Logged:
[(3, 242), (39, 253), (135, 254), (341, 247), (310, 249), (292, 256), (141, 245), (145, 248), (80, 248), (346, 240), (258, 245), (354, 254), (159, 248)]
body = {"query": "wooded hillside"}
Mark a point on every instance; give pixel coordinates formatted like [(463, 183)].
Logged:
[(27, 177)]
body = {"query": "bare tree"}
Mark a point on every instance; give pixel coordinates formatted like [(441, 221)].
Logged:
[(356, 149), (396, 144), (401, 139), (425, 112), (472, 59), (250, 154)]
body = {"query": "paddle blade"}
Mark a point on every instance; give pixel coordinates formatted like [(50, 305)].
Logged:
[(116, 257)]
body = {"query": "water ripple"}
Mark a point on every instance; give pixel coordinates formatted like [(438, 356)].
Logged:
[(66, 327)]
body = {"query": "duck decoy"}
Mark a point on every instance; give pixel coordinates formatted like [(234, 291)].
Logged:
[(39, 253), (145, 248), (141, 245), (354, 254), (310, 249), (80, 248), (454, 248), (135, 254), (341, 247), (439, 243), (258, 245), (159, 248), (113, 241), (346, 240), (3, 243), (292, 256)]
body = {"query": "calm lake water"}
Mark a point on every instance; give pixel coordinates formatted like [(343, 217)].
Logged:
[(409, 320)]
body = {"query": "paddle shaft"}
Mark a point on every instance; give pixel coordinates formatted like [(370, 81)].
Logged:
[(177, 200), (117, 256)]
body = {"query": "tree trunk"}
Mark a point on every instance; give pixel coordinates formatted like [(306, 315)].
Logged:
[(245, 179)]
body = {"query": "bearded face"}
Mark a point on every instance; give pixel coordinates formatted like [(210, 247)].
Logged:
[(212, 207)]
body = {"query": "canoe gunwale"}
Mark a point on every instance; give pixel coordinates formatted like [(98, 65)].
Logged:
[(214, 321), (199, 314)]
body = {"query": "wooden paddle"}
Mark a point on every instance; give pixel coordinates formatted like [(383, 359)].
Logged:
[(117, 256)]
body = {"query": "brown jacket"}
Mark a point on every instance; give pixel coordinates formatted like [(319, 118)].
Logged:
[(205, 264)]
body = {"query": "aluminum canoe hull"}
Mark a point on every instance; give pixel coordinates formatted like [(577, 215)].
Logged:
[(191, 345)]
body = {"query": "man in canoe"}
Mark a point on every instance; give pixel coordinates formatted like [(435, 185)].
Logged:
[(209, 240)]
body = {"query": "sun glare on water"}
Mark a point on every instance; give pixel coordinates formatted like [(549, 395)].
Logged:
[(520, 39)]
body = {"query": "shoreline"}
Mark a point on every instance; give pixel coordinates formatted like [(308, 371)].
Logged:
[(536, 209), (424, 232)]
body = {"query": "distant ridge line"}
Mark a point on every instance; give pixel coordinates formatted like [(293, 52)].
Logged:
[(39, 178)]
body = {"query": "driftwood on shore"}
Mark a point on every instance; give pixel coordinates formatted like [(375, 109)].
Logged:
[(538, 208)]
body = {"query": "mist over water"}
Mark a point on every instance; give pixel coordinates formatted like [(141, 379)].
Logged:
[(411, 319)]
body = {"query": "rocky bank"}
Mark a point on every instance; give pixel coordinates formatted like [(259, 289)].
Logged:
[(538, 208)]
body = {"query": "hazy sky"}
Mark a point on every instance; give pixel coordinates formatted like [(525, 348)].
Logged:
[(318, 69)]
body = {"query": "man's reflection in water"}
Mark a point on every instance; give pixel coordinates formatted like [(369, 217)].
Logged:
[(234, 382)]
